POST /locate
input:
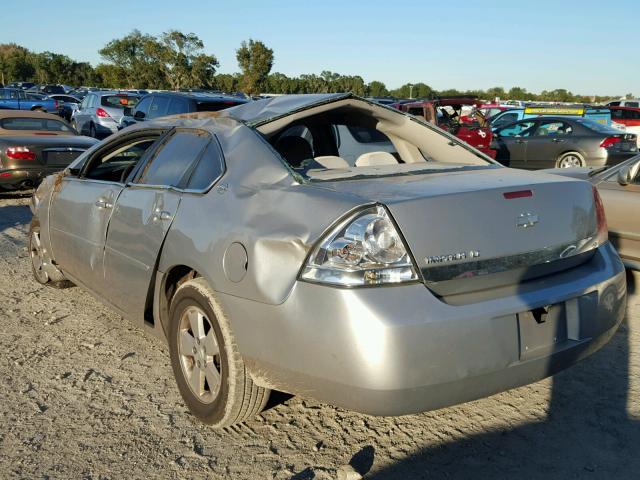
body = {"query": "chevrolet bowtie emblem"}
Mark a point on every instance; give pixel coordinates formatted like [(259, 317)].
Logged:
[(526, 220)]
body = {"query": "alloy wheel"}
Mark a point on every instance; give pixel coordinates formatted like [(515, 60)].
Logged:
[(38, 258), (570, 161), (199, 354)]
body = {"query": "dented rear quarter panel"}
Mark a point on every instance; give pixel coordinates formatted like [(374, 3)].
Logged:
[(259, 204)]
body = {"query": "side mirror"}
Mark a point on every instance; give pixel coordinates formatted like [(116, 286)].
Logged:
[(72, 172), (139, 115), (127, 111), (628, 173)]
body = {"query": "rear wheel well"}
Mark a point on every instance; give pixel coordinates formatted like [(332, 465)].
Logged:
[(175, 277)]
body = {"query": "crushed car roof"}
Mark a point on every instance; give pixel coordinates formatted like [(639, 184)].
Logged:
[(259, 112)]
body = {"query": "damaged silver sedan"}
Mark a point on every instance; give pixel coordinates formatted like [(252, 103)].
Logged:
[(330, 247)]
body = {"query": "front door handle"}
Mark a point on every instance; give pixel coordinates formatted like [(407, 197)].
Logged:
[(521, 141), (161, 216), (102, 203), (558, 140)]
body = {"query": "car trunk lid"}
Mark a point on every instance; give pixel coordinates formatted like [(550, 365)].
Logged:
[(481, 224)]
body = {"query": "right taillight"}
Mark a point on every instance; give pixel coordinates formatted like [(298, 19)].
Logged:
[(610, 142), (20, 153), (603, 231)]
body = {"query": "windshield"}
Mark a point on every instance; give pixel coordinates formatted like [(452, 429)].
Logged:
[(119, 101), (38, 124)]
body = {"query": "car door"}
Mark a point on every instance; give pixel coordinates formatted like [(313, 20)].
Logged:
[(142, 217), (80, 116), (621, 204), (510, 143), (550, 139), (83, 205)]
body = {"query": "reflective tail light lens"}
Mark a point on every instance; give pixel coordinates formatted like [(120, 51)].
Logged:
[(363, 250), (20, 153), (603, 231), (610, 142), (102, 113)]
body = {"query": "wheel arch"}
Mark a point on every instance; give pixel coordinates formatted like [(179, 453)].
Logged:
[(165, 288)]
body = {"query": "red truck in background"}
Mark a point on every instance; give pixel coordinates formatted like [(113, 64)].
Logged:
[(446, 113)]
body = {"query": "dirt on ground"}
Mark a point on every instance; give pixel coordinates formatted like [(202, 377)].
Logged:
[(84, 394)]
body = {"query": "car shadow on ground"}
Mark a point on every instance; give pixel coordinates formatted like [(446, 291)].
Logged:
[(12, 216), (591, 430)]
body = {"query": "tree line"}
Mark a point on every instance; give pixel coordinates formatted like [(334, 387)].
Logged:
[(176, 60)]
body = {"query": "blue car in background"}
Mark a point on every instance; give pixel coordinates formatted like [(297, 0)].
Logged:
[(600, 115), (16, 99)]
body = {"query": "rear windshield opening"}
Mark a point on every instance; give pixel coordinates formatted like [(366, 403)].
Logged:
[(351, 142), (38, 124), (119, 101)]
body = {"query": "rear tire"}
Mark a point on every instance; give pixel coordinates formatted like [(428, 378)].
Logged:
[(51, 277), (209, 370), (92, 130), (569, 160)]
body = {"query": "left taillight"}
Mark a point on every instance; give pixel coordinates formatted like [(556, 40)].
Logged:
[(601, 219), (20, 153), (610, 142), (101, 112)]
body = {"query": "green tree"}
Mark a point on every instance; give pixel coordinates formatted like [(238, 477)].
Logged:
[(182, 60), (255, 60), (136, 55), (15, 63), (377, 89)]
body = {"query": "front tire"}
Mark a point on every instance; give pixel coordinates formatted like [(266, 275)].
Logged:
[(569, 160), (209, 370)]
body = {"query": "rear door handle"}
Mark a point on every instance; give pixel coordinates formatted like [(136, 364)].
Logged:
[(558, 140), (102, 203), (521, 141)]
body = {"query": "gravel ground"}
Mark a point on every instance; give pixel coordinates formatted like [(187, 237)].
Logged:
[(83, 394)]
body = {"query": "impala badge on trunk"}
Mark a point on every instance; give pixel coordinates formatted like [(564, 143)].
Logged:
[(526, 220)]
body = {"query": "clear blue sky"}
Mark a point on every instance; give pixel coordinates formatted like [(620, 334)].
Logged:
[(588, 47)]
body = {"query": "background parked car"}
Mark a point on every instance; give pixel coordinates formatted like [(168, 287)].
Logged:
[(634, 103), (628, 117), (47, 89), (598, 114), (100, 112), (619, 188), (161, 104), (447, 113), (67, 104), (20, 85), (33, 145), (547, 142), (16, 99)]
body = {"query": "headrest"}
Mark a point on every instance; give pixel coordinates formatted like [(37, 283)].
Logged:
[(294, 150), (372, 159)]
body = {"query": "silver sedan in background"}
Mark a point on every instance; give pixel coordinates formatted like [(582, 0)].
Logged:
[(415, 274), (100, 112)]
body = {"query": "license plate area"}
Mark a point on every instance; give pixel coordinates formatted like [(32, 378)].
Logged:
[(542, 331), (62, 158)]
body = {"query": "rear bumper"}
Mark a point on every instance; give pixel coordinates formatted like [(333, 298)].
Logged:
[(400, 350), (106, 126), (22, 178)]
